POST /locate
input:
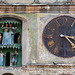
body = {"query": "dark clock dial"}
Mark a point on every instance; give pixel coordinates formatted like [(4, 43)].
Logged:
[(59, 36)]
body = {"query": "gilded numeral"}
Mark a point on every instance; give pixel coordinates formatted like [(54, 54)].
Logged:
[(49, 36), (57, 23), (48, 28), (56, 50), (51, 43), (66, 19), (52, 30), (72, 23)]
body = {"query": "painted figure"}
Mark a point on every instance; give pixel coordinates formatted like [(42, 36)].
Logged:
[(11, 38), (11, 35), (8, 35), (5, 35), (0, 38), (1, 58), (14, 59), (19, 39)]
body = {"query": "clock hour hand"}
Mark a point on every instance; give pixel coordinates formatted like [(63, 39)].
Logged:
[(67, 37)]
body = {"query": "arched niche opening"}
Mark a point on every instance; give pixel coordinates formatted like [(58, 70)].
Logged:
[(7, 44), (7, 74), (17, 37), (24, 38), (8, 59)]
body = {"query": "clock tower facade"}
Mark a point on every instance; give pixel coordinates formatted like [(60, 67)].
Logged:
[(37, 37)]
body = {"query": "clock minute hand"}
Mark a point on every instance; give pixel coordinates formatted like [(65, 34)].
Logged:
[(67, 37), (72, 37)]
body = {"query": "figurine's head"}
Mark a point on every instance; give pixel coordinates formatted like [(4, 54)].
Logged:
[(2, 25), (1, 51), (15, 51), (10, 25), (6, 25)]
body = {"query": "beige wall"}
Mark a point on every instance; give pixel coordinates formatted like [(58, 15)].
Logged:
[(44, 56), (51, 1), (33, 49), (31, 1), (21, 1), (39, 70)]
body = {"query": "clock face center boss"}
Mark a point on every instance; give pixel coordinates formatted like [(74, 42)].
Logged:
[(59, 36)]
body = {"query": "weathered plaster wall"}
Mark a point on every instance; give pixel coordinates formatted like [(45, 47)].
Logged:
[(51, 1), (39, 70), (43, 55), (29, 39), (20, 1), (32, 1), (34, 50)]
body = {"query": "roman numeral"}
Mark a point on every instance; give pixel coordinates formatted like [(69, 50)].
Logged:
[(50, 43), (72, 23)]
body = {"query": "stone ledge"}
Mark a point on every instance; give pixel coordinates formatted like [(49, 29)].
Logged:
[(38, 3), (25, 67), (39, 66), (49, 66)]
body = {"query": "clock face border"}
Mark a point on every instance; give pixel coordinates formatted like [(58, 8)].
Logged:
[(49, 40)]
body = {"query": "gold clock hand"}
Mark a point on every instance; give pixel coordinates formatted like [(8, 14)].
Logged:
[(67, 37), (72, 37), (72, 44)]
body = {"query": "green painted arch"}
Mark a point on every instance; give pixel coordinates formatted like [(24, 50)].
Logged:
[(22, 19)]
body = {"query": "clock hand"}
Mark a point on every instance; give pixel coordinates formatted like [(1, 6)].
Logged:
[(72, 37), (67, 37), (72, 44)]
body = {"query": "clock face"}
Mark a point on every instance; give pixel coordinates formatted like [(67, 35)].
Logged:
[(55, 36)]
